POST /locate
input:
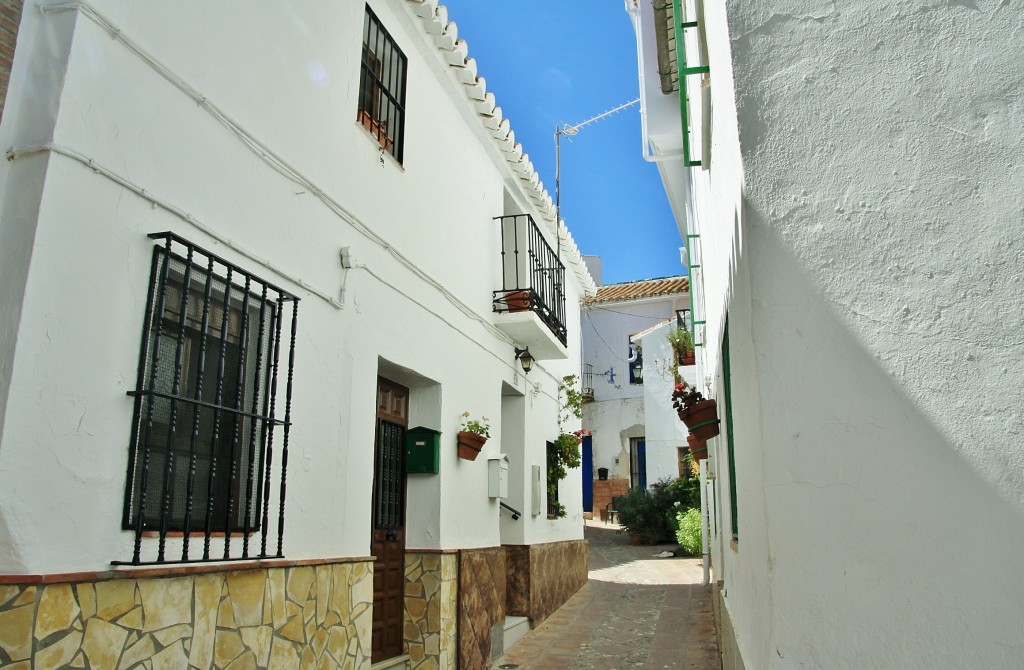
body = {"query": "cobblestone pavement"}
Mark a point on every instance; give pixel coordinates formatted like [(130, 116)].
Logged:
[(637, 612)]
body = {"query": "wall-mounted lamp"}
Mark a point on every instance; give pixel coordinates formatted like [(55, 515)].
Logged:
[(525, 359)]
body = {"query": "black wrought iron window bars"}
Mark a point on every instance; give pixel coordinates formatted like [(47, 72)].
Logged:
[(201, 459), (382, 82)]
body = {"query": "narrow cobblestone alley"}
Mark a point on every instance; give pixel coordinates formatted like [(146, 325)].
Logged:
[(637, 611)]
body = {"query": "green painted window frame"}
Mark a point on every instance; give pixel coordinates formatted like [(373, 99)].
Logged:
[(729, 440)]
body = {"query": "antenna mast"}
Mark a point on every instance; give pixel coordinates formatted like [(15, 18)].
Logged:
[(566, 129)]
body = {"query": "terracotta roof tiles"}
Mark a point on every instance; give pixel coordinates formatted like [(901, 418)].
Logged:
[(637, 290)]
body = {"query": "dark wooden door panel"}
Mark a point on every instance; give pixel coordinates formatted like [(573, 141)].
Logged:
[(388, 523)]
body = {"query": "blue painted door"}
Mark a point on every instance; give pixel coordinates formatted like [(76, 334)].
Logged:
[(641, 463), (588, 474)]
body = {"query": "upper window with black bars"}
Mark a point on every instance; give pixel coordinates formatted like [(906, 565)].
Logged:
[(207, 419), (382, 87)]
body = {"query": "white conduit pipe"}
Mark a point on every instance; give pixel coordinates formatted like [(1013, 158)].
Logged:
[(276, 162), (704, 517)]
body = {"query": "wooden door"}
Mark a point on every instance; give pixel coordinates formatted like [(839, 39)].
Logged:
[(388, 522)]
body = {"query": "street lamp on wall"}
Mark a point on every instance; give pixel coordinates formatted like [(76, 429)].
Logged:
[(525, 359)]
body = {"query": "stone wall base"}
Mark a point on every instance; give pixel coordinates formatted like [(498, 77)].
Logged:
[(729, 650), (481, 604), (431, 607), (541, 577), (277, 617)]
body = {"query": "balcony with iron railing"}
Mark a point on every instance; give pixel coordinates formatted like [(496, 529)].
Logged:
[(530, 305)]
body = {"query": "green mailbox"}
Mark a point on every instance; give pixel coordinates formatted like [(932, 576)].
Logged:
[(422, 450)]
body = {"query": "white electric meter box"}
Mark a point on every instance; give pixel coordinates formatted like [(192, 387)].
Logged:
[(497, 476)]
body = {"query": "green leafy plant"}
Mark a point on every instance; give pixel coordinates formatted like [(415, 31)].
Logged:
[(573, 405), (688, 531), (651, 513), (564, 452), (682, 341), (480, 427)]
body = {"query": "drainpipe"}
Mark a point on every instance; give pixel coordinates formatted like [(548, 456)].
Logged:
[(704, 517)]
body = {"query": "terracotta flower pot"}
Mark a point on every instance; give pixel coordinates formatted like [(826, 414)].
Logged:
[(517, 301), (470, 444), (688, 358), (701, 419), (698, 447)]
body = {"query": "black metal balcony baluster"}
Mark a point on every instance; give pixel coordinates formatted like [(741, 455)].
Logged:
[(161, 258), (217, 414), (197, 408), (543, 270), (287, 425), (254, 428), (165, 510)]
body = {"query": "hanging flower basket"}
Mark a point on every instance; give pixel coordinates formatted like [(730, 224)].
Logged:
[(701, 419), (470, 444), (698, 447), (699, 414)]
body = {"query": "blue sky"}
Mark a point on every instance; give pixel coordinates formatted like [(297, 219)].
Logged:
[(564, 61)]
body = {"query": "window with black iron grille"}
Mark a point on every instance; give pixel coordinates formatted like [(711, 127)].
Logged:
[(201, 460), (382, 87)]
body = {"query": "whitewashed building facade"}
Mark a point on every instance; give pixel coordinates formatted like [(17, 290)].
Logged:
[(628, 363), (245, 253), (849, 190)]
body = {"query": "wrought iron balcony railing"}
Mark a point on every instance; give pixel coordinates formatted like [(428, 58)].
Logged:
[(533, 277)]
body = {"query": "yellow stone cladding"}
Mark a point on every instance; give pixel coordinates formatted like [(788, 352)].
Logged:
[(289, 617), (431, 610)]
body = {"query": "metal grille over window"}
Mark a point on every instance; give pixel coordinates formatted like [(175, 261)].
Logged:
[(389, 506), (209, 450), (382, 87)]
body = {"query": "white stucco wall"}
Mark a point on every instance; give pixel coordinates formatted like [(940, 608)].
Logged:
[(621, 410), (665, 433), (857, 227), (290, 80)]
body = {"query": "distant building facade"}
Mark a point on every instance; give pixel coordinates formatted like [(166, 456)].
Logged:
[(626, 368)]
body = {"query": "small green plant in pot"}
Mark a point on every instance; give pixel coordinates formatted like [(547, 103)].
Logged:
[(682, 348)]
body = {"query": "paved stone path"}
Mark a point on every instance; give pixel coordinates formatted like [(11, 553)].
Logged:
[(637, 612)]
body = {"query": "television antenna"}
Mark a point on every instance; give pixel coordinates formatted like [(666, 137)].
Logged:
[(570, 131)]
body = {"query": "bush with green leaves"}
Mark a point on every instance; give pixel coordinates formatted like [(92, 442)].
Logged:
[(688, 532), (651, 513)]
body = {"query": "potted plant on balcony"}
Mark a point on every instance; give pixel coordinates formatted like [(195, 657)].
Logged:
[(472, 436), (682, 346), (698, 413), (516, 300)]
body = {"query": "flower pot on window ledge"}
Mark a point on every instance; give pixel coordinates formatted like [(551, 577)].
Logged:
[(377, 129), (701, 418), (470, 444)]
